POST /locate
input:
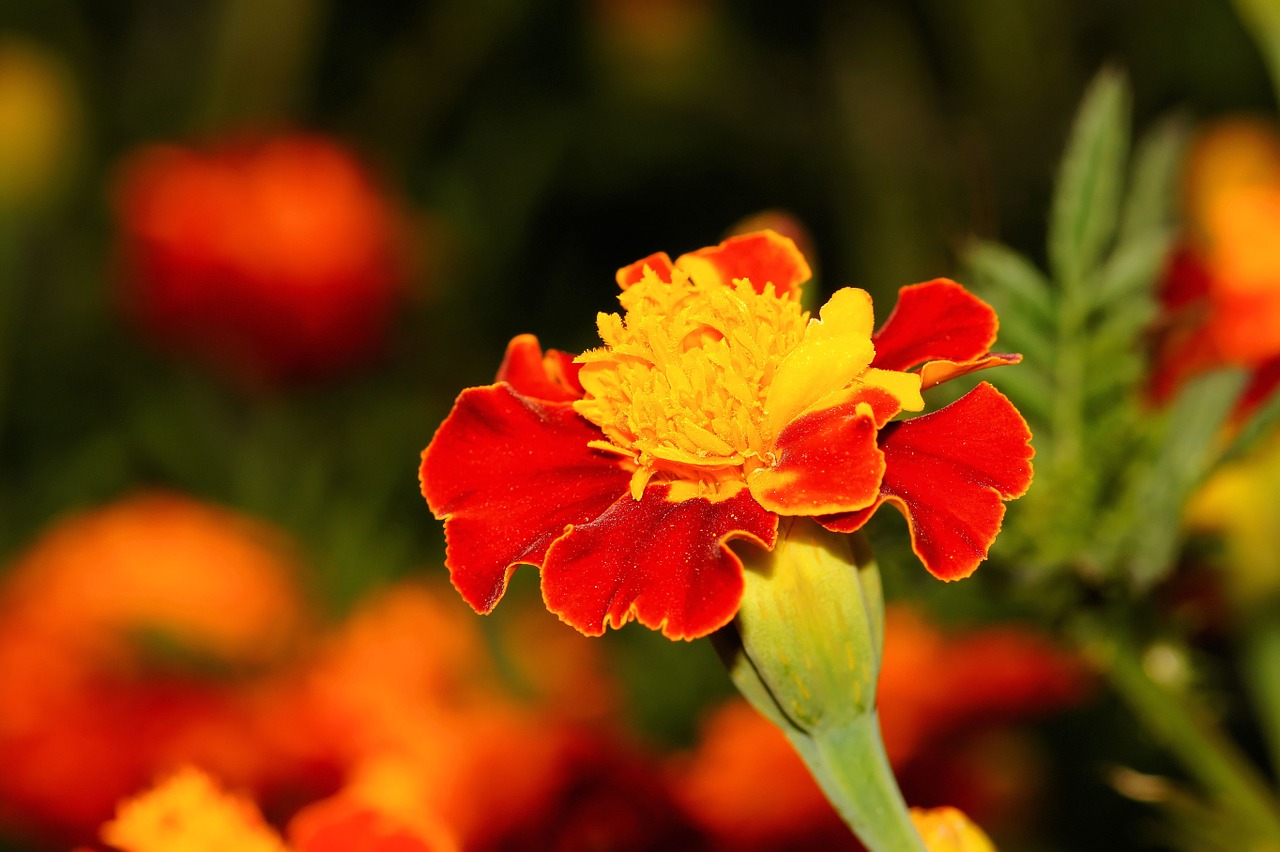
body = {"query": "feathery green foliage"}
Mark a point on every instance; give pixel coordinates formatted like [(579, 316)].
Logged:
[(1111, 476)]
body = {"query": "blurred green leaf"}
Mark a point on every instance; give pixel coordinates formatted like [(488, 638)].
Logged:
[(1023, 298), (1261, 423), (999, 267), (1262, 19), (1086, 204), (1153, 188), (1184, 456), (1132, 267)]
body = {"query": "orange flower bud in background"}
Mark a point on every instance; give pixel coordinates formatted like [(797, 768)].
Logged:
[(273, 259), (39, 118)]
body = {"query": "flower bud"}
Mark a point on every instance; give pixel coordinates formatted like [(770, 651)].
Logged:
[(811, 625)]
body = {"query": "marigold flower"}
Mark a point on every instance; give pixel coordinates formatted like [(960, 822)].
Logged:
[(715, 405), (275, 258), (1221, 293)]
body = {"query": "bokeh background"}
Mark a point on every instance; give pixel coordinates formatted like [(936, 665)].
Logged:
[(503, 159)]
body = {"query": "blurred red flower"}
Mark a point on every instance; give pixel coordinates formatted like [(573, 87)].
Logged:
[(273, 259), (427, 733), (716, 405), (1221, 294)]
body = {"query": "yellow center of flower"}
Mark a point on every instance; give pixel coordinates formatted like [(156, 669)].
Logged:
[(681, 384)]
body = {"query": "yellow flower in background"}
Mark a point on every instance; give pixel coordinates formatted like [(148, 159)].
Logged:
[(949, 830), (1238, 503), (39, 120), (188, 813)]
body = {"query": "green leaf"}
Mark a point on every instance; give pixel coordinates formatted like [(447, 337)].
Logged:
[(1260, 424), (1028, 388), (1133, 267), (1086, 204), (1183, 458), (1123, 325), (1262, 19), (999, 267), (1021, 295), (1157, 169)]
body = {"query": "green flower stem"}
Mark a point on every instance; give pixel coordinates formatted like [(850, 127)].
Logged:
[(805, 650), (1260, 660), (850, 765), (1188, 731)]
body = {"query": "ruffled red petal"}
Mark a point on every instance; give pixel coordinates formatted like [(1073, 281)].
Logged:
[(552, 377), (667, 565), (949, 472), (659, 262), (938, 320), (509, 474), (763, 257), (826, 461)]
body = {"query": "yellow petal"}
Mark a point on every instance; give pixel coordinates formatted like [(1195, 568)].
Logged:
[(836, 349)]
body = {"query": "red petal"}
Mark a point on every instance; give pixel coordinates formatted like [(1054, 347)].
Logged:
[(935, 321), (948, 473), (827, 461), (763, 257), (508, 474), (552, 377), (659, 262), (664, 564)]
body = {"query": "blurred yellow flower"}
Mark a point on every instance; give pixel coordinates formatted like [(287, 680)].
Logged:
[(38, 123), (949, 830), (1238, 503), (187, 813)]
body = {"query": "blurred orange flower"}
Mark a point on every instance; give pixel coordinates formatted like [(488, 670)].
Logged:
[(187, 812), (1221, 294), (205, 580), (410, 698), (273, 258), (134, 638)]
